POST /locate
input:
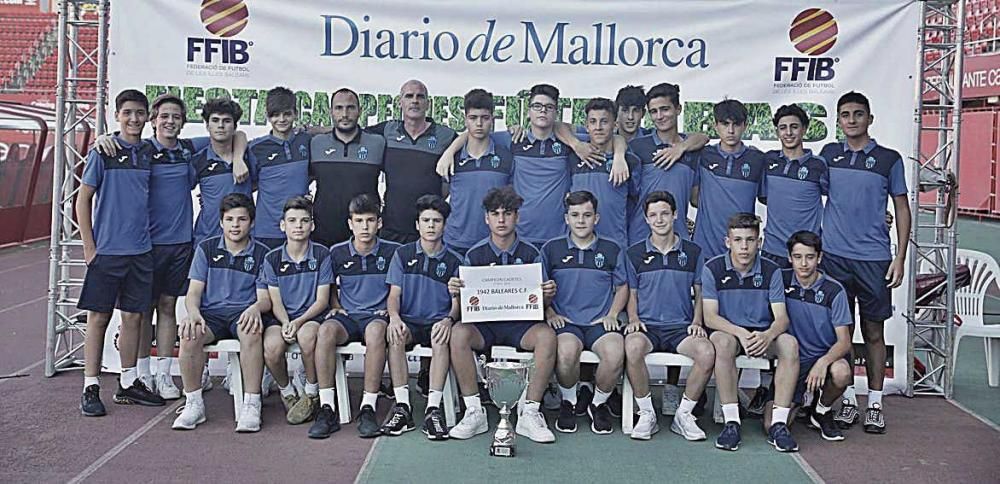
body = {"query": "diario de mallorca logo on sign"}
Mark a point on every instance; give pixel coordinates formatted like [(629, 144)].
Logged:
[(222, 55), (813, 32)]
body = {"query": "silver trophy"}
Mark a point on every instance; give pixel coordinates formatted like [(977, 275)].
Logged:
[(506, 381)]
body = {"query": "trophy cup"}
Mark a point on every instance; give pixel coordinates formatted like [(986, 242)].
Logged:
[(506, 381)]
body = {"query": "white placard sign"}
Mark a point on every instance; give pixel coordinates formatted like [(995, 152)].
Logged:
[(501, 293)]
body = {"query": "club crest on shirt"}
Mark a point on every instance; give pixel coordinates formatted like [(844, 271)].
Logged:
[(745, 170), (432, 142), (518, 261), (303, 151), (248, 263), (608, 164), (362, 153), (599, 260), (870, 162), (557, 148), (495, 161), (819, 296), (312, 264), (682, 259), (803, 173), (441, 269), (380, 263), (758, 280)]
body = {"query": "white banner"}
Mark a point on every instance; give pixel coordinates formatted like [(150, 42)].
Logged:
[(501, 293), (748, 50)]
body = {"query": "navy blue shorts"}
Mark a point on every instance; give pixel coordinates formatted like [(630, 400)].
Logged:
[(504, 333), (864, 282), (356, 324), (118, 281), (781, 260), (420, 334), (171, 264), (665, 339), (224, 322), (269, 242), (588, 335)]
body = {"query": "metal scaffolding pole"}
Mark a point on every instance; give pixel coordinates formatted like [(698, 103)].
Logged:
[(80, 102), (933, 236)]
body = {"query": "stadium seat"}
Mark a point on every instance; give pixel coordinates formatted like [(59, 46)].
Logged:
[(969, 303)]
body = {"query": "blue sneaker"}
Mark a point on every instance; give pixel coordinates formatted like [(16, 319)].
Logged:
[(781, 438), (730, 438)]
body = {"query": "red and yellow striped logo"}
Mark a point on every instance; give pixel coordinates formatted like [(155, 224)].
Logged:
[(224, 18), (813, 31)]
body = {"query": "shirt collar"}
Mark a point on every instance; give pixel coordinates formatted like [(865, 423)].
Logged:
[(572, 245), (281, 142), (212, 155), (753, 270), (160, 148), (125, 144), (498, 251), (815, 284), (354, 252), (530, 135), (286, 258), (867, 149), (660, 142), (491, 150), (246, 250), (806, 155), (652, 248), (355, 139), (726, 154)]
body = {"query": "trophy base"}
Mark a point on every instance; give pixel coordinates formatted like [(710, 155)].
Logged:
[(502, 451)]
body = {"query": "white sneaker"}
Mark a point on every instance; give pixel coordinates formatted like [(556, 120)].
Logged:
[(225, 381), (249, 420), (267, 384), (192, 415), (646, 426), (531, 424), (165, 387), (671, 399), (686, 425), (472, 424), (149, 381), (206, 380)]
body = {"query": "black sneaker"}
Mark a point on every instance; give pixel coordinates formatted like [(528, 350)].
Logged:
[(847, 416), (584, 395), (399, 421), (326, 422), (90, 402), (755, 409), (424, 381), (138, 394), (566, 422), (730, 438), (781, 438), (826, 426), (699, 407), (434, 427), (385, 391), (615, 403), (874, 421), (600, 418), (367, 425)]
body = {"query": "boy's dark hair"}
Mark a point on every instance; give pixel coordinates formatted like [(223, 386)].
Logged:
[(730, 110), (744, 220), (348, 90), (237, 200), (806, 238), (280, 99), (659, 196), (791, 110), (854, 97), (601, 104), (365, 203), (665, 89), (168, 98), (544, 89), (479, 99), (631, 96), (131, 95), (579, 197), (433, 202), (502, 198), (298, 203), (221, 105)]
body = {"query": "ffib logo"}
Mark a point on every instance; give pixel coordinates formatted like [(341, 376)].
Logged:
[(221, 18), (813, 32)]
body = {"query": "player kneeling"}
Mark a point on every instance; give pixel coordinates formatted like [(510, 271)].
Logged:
[(664, 272), (591, 276), (224, 302)]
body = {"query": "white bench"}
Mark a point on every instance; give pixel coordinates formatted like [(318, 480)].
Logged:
[(232, 349)]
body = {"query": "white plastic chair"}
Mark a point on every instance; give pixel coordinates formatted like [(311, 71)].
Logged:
[(969, 307)]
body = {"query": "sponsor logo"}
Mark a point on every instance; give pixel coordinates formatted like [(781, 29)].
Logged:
[(218, 257), (527, 147), (837, 159), (284, 267), (223, 19), (158, 156), (348, 264), (813, 32), (713, 166), (567, 259), (772, 166), (473, 301), (726, 279), (400, 137), (464, 161), (122, 158), (272, 156), (532, 299), (789, 290), (329, 151), (411, 263), (649, 259), (212, 166)]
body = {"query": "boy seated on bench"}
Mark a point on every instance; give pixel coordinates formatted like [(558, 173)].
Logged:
[(224, 301), (664, 271), (744, 303)]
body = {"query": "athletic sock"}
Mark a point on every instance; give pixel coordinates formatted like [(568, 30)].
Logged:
[(370, 399), (402, 395), (731, 412), (163, 365), (251, 398), (472, 402), (142, 367), (874, 396), (645, 403), (434, 398), (568, 393), (128, 377), (850, 397), (194, 396), (780, 415), (600, 397), (686, 405), (821, 409), (327, 396), (287, 390), (91, 380), (530, 406), (312, 389)]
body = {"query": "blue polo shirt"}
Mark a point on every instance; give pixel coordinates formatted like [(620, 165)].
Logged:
[(171, 214), (794, 191), (612, 201), (121, 199), (231, 281), (815, 312), (730, 183), (423, 279), (282, 172), (664, 282), (486, 253), (214, 177), (472, 179), (744, 299), (860, 184), (587, 277), (297, 281), (361, 278), (542, 178), (678, 180)]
